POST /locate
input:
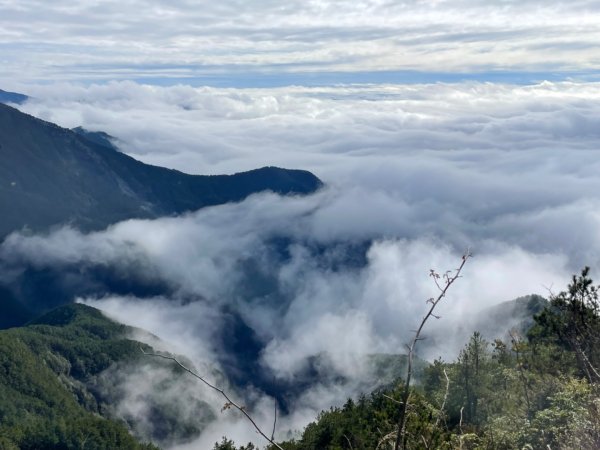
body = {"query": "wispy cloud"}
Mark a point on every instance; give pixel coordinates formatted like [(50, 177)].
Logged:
[(415, 174), (134, 39), (295, 273)]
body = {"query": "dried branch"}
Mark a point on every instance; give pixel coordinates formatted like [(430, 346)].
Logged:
[(449, 278), (349, 443), (387, 438), (460, 439), (229, 402), (392, 399), (274, 421), (441, 412), (589, 364)]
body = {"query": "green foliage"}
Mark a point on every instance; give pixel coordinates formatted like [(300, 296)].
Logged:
[(572, 324), (367, 423), (472, 373), (227, 444), (523, 394), (565, 422), (43, 404), (539, 392)]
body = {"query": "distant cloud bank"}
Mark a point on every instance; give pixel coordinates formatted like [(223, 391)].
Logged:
[(415, 174), (244, 40)]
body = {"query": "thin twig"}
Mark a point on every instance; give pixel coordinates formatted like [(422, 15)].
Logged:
[(448, 281), (229, 402), (388, 437), (441, 412), (392, 399), (592, 368), (349, 443), (274, 421)]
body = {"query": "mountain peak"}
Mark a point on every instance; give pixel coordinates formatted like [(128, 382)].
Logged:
[(51, 176)]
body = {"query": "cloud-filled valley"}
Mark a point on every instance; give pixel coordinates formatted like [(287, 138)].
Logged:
[(414, 174), (261, 306), (416, 132), (461, 162)]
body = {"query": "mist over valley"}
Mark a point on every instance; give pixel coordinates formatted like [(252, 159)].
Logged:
[(269, 198)]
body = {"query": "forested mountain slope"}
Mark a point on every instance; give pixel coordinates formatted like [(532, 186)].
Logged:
[(61, 384), (537, 389)]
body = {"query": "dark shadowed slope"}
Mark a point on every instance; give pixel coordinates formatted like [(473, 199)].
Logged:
[(12, 97), (97, 137), (50, 175)]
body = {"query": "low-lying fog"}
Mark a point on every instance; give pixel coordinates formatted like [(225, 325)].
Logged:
[(415, 175)]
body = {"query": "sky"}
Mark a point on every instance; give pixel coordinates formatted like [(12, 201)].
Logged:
[(263, 43), (437, 127)]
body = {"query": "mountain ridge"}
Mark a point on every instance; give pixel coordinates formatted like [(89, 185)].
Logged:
[(51, 175), (12, 97), (47, 386), (75, 353)]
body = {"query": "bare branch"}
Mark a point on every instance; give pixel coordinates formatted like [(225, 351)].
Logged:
[(589, 364), (441, 412), (461, 437), (392, 399), (387, 438), (549, 290), (274, 421), (349, 443), (229, 402), (449, 278)]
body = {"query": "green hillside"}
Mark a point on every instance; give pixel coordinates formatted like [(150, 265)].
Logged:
[(536, 390), (51, 393), (539, 389)]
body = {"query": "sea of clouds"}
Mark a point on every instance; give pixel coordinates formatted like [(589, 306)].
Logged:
[(415, 176)]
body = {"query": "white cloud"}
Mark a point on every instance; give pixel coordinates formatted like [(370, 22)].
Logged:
[(507, 170), (222, 130), (315, 301), (132, 39), (445, 160), (415, 175)]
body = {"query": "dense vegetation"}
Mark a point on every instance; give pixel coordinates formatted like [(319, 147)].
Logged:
[(44, 401), (534, 390)]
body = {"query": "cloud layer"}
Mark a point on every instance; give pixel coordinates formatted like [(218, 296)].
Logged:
[(316, 304), (415, 175), (243, 40), (452, 161)]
